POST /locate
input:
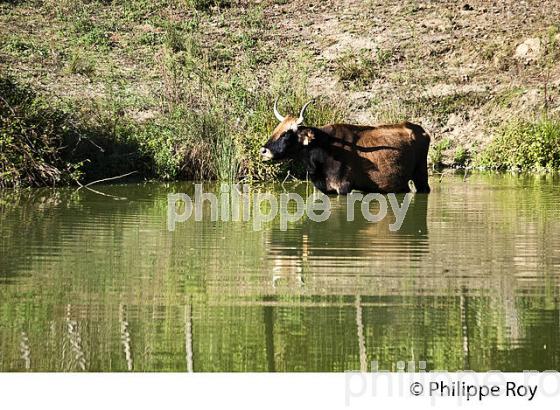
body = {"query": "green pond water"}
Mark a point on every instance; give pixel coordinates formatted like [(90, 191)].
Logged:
[(95, 283)]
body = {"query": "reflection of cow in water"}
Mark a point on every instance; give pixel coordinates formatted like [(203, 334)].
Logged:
[(346, 248)]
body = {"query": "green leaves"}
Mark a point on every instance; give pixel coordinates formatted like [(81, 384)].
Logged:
[(32, 138), (525, 145)]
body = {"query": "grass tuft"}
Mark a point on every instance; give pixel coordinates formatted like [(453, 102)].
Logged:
[(361, 67)]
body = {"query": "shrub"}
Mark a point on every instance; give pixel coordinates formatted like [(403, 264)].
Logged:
[(436, 152), (461, 156), (527, 145), (32, 139)]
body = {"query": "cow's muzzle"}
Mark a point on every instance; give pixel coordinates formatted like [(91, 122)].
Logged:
[(266, 154)]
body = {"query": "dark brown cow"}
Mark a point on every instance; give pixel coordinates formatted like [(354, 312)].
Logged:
[(343, 157)]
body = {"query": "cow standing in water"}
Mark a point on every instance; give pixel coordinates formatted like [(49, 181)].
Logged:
[(343, 157)]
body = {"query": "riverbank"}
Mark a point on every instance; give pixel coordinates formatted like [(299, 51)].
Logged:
[(183, 90)]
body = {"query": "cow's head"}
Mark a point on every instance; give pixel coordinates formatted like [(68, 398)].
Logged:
[(288, 137)]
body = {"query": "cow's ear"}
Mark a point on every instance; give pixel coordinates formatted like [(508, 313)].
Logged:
[(306, 136)]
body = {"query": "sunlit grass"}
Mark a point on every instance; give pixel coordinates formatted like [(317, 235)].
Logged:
[(525, 145)]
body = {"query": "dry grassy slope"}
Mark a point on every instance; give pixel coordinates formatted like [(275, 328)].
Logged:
[(438, 49), (447, 65)]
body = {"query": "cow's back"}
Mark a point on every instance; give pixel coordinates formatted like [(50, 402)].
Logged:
[(381, 158)]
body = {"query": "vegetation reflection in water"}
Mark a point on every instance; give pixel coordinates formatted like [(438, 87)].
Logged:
[(91, 283)]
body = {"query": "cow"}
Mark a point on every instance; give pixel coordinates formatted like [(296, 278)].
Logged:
[(340, 158)]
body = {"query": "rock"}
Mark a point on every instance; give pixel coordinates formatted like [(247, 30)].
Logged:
[(453, 122), (437, 24), (529, 50), (531, 99)]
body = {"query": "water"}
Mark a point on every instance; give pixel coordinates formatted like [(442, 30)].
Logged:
[(93, 283)]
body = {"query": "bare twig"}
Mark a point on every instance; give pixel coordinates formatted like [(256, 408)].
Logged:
[(105, 179), (101, 193)]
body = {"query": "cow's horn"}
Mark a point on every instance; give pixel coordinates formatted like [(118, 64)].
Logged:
[(300, 119), (276, 113)]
